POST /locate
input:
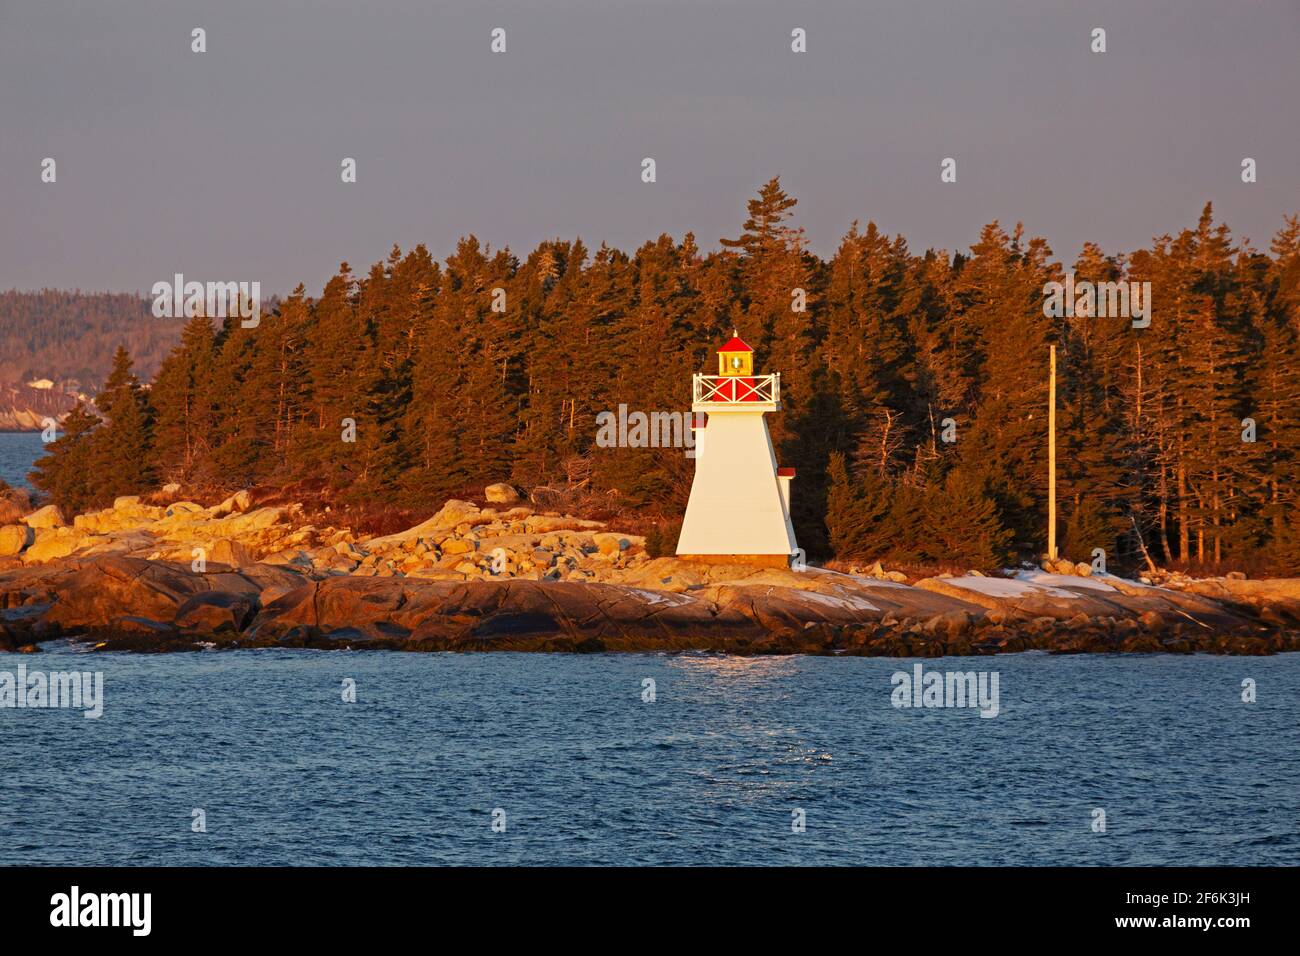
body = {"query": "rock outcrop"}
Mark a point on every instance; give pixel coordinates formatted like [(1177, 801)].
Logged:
[(501, 494), (48, 517), (102, 591), (157, 577), (14, 538), (1065, 598), (135, 603)]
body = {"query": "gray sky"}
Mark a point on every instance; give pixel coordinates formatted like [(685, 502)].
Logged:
[(225, 165)]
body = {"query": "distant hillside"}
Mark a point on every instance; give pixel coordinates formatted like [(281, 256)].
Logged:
[(24, 409), (65, 336)]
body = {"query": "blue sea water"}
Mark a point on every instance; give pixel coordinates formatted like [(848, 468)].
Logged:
[(287, 772), (17, 452)]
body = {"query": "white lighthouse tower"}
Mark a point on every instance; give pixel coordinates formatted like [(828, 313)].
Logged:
[(739, 509)]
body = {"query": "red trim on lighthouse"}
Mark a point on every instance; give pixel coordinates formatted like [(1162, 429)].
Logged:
[(739, 390), (737, 344), (785, 472)]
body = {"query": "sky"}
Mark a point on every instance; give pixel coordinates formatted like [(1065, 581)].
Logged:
[(225, 165)]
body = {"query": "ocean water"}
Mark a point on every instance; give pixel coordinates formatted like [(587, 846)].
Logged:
[(710, 772), (17, 452), (586, 772)]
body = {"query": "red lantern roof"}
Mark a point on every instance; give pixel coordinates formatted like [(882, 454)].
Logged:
[(737, 344)]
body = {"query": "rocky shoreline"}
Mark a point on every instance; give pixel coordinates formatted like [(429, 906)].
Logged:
[(181, 577)]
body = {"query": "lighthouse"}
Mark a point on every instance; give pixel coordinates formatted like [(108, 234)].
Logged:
[(739, 509)]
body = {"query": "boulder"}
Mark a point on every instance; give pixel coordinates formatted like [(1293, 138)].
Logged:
[(501, 494), (130, 626), (458, 546), (250, 523), (48, 517), (951, 624), (541, 524), (118, 587), (275, 592), (126, 515), (237, 503), (455, 512), (108, 589), (53, 543), (1152, 621), (290, 556), (226, 551), (212, 612), (610, 543), (119, 542), (14, 538)]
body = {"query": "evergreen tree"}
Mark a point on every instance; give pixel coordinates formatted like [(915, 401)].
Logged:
[(64, 472), (121, 450), (1284, 550), (858, 513), (963, 525), (1087, 527), (182, 393)]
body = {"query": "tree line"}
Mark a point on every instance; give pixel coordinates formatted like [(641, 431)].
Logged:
[(62, 335), (914, 389)]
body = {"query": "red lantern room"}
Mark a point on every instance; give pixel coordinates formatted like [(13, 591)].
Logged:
[(736, 358), (736, 363)]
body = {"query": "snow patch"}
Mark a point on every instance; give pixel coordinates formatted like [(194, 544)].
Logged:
[(843, 603), (864, 579), (1007, 587), (878, 582), (670, 598), (1064, 580)]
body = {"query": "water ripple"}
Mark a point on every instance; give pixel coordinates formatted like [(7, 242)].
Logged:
[(714, 771)]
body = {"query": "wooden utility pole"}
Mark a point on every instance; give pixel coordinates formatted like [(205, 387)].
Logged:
[(1051, 461)]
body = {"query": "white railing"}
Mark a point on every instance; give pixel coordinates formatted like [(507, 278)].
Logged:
[(737, 390)]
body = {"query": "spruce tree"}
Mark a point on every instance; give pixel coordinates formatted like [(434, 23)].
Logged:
[(121, 450), (1087, 527), (182, 394), (963, 525), (64, 472), (858, 513)]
